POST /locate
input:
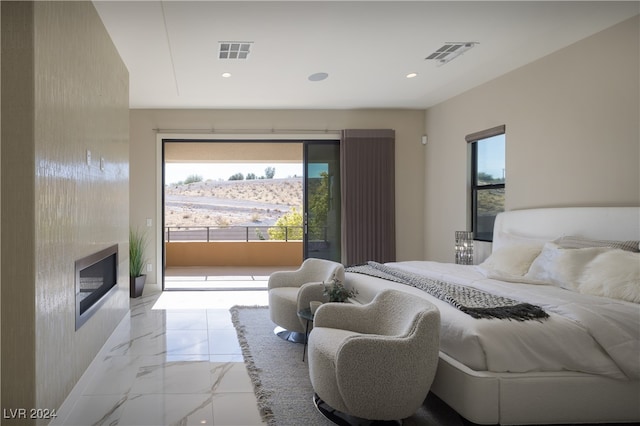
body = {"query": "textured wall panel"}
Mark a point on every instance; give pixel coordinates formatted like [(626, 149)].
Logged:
[(79, 88), (18, 233)]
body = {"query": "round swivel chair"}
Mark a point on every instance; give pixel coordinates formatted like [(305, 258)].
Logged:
[(291, 292), (375, 361)]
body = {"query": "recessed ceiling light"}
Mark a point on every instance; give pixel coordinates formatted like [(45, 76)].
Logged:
[(319, 76), (412, 74), (226, 74)]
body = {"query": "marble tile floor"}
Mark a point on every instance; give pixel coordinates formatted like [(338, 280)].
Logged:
[(175, 360), (220, 277)]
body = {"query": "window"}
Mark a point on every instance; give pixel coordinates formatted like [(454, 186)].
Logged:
[(487, 180)]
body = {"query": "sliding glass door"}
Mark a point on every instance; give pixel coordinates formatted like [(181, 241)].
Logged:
[(322, 200)]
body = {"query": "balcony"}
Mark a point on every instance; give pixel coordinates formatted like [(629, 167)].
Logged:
[(233, 246)]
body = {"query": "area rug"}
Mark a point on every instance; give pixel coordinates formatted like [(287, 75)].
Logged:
[(281, 379)]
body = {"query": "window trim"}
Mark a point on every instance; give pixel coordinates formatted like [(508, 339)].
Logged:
[(484, 134), (474, 188)]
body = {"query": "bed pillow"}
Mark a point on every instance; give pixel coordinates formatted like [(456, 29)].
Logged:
[(562, 267), (509, 262), (578, 242), (614, 274)]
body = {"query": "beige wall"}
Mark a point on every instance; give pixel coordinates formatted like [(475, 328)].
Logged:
[(408, 124), (571, 132), (65, 91), (234, 253)]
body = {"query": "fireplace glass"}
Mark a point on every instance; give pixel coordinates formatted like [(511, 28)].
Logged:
[(96, 275)]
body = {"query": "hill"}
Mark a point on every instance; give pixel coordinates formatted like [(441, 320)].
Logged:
[(226, 203)]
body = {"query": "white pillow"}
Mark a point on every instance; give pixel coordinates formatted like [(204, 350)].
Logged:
[(512, 260), (562, 267), (614, 274)]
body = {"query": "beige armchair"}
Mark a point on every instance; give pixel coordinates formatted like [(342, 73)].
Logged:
[(291, 291), (375, 361)]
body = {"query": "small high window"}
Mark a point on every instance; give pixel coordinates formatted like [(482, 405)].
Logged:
[(488, 178)]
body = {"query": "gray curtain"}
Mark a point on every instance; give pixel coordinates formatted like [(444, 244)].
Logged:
[(367, 163)]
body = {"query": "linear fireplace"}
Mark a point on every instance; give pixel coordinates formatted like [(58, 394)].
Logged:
[(96, 276)]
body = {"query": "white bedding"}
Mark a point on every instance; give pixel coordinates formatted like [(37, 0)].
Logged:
[(584, 333)]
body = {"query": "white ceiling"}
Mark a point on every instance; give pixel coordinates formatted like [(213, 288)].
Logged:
[(367, 47)]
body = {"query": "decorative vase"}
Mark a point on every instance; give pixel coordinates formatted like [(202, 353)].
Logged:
[(464, 247), (136, 285)]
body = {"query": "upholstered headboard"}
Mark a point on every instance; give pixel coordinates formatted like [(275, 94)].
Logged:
[(546, 224)]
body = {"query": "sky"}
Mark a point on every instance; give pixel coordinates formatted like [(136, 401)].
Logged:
[(492, 156), (176, 172)]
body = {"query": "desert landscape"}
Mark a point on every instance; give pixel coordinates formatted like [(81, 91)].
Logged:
[(231, 203)]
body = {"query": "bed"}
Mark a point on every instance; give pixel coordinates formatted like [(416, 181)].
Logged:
[(579, 365)]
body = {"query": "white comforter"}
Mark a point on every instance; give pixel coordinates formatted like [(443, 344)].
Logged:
[(583, 333)]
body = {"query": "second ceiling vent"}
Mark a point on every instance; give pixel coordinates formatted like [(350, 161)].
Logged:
[(450, 51)]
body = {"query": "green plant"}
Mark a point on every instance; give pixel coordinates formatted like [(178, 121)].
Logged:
[(288, 226), (337, 292), (137, 244), (193, 179), (318, 206), (270, 172)]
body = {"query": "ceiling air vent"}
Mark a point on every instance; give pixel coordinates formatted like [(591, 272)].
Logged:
[(450, 51), (234, 49)]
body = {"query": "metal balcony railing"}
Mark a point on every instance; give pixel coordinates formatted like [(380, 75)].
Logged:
[(231, 233)]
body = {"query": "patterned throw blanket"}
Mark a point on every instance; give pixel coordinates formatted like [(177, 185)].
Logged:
[(472, 301)]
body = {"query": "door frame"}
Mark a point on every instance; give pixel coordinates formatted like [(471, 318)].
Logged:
[(161, 137)]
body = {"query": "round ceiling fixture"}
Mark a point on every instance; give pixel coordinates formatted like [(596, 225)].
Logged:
[(412, 75), (319, 76), (226, 74)]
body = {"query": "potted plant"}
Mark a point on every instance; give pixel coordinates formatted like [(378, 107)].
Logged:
[(137, 244), (337, 292)]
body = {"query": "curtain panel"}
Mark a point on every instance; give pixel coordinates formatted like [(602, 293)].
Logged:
[(367, 162)]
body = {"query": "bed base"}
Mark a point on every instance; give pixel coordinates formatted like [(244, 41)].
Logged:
[(535, 398), (542, 398)]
